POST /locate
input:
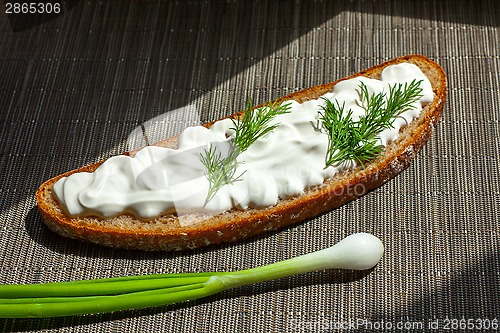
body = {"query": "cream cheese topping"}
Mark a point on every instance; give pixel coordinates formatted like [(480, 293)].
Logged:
[(283, 163)]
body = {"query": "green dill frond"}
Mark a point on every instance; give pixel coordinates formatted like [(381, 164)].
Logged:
[(220, 170), (253, 125), (357, 140)]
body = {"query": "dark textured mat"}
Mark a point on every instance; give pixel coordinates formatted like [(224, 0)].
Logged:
[(74, 86)]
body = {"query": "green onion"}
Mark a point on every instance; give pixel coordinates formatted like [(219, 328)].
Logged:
[(359, 252)]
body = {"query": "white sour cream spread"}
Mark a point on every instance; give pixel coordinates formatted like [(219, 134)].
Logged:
[(280, 164)]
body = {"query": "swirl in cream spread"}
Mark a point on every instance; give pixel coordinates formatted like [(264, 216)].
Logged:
[(283, 163)]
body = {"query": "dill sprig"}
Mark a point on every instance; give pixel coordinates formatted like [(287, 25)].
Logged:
[(357, 140), (220, 170), (254, 124)]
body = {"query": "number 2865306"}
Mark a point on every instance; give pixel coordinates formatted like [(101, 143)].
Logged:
[(32, 8)]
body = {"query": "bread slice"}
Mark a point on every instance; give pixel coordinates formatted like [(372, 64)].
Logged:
[(166, 233)]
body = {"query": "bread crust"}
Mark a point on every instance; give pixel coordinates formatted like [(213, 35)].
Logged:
[(166, 234)]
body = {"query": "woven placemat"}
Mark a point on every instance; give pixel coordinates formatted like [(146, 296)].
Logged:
[(75, 87)]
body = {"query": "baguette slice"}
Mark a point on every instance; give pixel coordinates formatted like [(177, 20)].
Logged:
[(166, 233)]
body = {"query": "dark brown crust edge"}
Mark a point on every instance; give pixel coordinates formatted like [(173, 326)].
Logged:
[(237, 225)]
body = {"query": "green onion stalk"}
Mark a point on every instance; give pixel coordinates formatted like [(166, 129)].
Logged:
[(359, 251)]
